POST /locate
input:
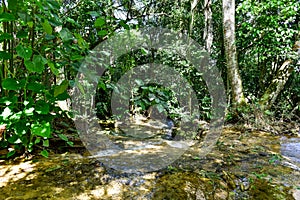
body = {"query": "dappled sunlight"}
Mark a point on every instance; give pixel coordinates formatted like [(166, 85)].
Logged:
[(14, 172), (237, 158)]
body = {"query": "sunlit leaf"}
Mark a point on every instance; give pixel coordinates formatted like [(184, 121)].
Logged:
[(53, 68), (99, 22), (45, 153), (102, 33), (47, 27), (61, 88), (63, 137), (160, 108), (28, 111), (46, 143), (42, 130), (37, 140), (66, 35), (6, 113), (70, 143)]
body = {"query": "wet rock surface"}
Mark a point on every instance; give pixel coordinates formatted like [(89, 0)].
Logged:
[(242, 165)]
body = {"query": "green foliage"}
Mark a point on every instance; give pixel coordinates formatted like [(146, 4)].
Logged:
[(150, 94), (266, 32), (162, 98), (32, 82), (43, 43)]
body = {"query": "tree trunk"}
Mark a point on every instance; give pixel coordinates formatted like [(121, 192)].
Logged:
[(208, 29), (234, 78), (278, 82)]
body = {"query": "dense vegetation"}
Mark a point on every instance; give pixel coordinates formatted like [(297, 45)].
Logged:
[(44, 42)]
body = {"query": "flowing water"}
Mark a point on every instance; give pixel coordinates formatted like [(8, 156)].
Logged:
[(243, 164)]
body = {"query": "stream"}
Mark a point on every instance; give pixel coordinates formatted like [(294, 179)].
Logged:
[(243, 164)]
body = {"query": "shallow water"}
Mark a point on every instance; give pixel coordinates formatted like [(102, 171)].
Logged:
[(290, 147), (242, 165)]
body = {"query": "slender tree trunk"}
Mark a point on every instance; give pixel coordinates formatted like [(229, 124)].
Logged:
[(208, 29), (278, 82), (194, 4), (234, 78), (276, 86)]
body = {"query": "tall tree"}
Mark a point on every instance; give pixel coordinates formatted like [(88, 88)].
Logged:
[(208, 26), (233, 74)]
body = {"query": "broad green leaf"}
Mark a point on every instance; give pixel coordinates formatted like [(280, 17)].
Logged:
[(46, 143), (63, 137), (5, 55), (54, 5), (76, 57), (8, 100), (22, 83), (5, 36), (24, 140), (81, 42), (12, 5), (20, 127), (61, 88), (10, 154), (22, 34), (36, 87), (6, 17), (30, 24), (47, 27), (53, 68), (124, 25), (41, 107), (63, 96), (10, 84), (70, 143), (45, 153), (65, 35), (24, 52), (29, 66), (99, 22), (13, 139), (102, 33), (42, 130), (39, 63), (37, 140)]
